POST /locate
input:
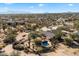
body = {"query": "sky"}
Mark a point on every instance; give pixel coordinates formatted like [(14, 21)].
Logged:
[(6, 8)]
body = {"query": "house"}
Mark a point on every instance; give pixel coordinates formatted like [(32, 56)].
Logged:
[(48, 34)]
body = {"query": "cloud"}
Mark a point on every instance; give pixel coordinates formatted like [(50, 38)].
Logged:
[(8, 3), (70, 4), (40, 5)]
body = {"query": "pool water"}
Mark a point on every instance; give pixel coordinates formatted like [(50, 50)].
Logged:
[(44, 43)]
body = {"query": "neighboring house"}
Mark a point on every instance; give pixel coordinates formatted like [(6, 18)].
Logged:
[(48, 34)]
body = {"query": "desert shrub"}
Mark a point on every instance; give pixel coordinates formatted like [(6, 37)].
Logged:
[(68, 41), (76, 23), (29, 27), (58, 35), (40, 50), (26, 50), (75, 37), (10, 38), (4, 26), (18, 46), (11, 31), (34, 35), (37, 42), (53, 41)]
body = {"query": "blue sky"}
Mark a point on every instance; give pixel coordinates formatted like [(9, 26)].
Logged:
[(38, 7)]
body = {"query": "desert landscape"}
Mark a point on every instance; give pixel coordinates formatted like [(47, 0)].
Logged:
[(49, 34)]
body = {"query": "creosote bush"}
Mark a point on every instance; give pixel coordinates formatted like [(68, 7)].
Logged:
[(58, 35), (68, 41), (10, 38), (18, 46)]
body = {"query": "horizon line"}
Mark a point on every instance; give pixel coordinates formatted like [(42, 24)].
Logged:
[(41, 13)]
